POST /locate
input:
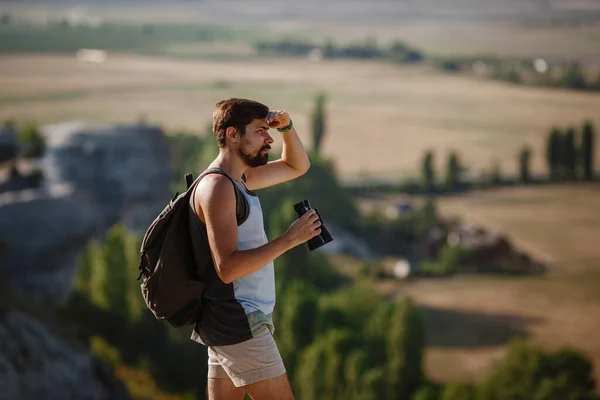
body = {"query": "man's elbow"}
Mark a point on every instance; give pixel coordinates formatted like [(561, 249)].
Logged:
[(226, 279), (224, 274), (304, 168)]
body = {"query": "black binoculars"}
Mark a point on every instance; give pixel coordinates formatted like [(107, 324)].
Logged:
[(324, 237)]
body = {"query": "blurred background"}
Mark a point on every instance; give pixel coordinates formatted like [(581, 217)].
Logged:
[(455, 159)]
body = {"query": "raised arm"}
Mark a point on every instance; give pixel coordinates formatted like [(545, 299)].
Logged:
[(216, 198), (294, 161)]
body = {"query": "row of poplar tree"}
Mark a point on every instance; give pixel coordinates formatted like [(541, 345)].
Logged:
[(570, 153), (569, 156)]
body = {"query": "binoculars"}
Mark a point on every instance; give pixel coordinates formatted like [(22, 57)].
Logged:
[(324, 237)]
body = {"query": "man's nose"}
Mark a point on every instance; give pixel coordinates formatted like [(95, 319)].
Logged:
[(269, 139)]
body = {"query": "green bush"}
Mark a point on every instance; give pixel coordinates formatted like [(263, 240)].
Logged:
[(528, 372), (105, 352), (435, 268), (452, 259), (31, 141)]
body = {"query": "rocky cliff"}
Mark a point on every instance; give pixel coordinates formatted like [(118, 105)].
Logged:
[(93, 176), (36, 364)]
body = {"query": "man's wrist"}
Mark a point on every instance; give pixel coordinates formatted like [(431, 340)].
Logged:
[(287, 128), (287, 242)]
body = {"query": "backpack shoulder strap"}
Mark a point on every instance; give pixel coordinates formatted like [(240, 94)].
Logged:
[(189, 180), (242, 206)]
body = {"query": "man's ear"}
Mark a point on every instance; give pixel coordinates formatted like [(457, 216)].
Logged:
[(232, 134)]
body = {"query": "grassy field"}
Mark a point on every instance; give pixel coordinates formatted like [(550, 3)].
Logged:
[(381, 118), (470, 319)]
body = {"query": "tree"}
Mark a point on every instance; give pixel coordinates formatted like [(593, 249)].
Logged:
[(375, 330), (185, 149), (115, 284), (308, 380), (524, 160), (318, 123), (426, 393), (134, 297), (496, 175), (587, 151), (404, 344), (329, 317), (528, 372), (329, 49), (321, 371), (453, 171), (83, 278), (459, 391), (428, 171), (372, 385), (296, 322), (31, 141), (428, 216), (553, 154), (572, 77), (569, 154), (98, 276), (354, 369)]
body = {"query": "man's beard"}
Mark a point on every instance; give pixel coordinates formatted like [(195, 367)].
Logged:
[(255, 160)]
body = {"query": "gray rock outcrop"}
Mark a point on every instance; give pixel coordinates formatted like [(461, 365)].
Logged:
[(8, 144), (44, 231), (94, 176), (124, 168), (36, 364)]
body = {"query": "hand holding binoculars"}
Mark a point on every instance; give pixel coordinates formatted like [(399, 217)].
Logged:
[(324, 237)]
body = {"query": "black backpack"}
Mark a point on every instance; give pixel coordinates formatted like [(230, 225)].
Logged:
[(172, 285)]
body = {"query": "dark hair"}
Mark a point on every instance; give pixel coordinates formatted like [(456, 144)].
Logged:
[(236, 113)]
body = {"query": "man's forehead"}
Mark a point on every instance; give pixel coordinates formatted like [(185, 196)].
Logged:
[(260, 123)]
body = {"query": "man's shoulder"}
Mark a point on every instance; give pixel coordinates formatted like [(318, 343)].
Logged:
[(214, 183), (214, 188)]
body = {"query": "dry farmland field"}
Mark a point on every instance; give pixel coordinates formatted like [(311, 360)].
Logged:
[(469, 319), (380, 117)]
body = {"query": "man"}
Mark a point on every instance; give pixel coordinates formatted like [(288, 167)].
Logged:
[(240, 285)]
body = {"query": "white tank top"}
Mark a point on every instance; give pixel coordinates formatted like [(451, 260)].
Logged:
[(255, 292)]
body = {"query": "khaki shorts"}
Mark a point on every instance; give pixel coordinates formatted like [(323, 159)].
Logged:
[(248, 362)]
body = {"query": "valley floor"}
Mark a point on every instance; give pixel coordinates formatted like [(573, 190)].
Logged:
[(470, 319)]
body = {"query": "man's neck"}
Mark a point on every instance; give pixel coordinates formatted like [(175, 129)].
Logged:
[(231, 164)]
